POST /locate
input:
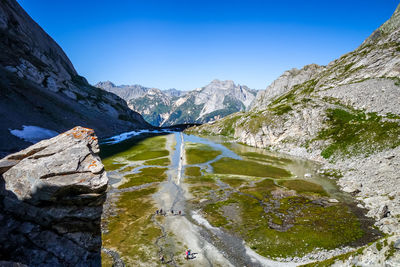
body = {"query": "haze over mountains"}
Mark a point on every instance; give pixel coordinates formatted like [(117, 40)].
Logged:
[(168, 107)]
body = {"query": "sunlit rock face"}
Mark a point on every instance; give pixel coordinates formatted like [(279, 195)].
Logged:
[(51, 201)]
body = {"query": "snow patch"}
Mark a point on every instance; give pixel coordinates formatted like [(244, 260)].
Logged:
[(33, 134), (124, 136)]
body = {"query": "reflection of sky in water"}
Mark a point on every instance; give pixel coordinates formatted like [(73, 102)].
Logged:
[(225, 151), (127, 135)]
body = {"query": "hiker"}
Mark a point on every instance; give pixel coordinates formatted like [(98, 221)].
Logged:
[(162, 259), (172, 212), (180, 212), (157, 212), (161, 211), (187, 254)]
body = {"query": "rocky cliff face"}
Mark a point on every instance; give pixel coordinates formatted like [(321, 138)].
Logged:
[(344, 115), (164, 108), (284, 83), (51, 197), (40, 87)]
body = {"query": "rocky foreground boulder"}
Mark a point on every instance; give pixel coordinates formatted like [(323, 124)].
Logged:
[(51, 201)]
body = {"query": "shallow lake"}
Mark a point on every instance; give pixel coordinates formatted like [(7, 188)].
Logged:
[(230, 204)]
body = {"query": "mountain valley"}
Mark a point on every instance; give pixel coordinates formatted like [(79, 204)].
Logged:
[(303, 173)]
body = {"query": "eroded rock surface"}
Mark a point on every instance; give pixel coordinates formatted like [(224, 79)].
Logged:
[(51, 201)]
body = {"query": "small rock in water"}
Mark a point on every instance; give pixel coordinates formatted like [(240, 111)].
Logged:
[(307, 175), (397, 244), (333, 200)]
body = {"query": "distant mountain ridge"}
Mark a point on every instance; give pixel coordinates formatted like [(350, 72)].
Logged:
[(168, 107)]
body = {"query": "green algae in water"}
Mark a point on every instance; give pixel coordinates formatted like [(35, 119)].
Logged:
[(233, 181), (192, 171), (301, 186), (200, 153), (144, 149), (149, 154), (110, 165), (146, 175), (248, 168), (159, 162), (254, 155)]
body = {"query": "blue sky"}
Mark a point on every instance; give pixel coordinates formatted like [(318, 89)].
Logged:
[(185, 44)]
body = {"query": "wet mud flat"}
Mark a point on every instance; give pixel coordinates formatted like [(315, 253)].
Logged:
[(239, 206)]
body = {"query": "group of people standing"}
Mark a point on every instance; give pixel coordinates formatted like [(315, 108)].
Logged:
[(163, 212)]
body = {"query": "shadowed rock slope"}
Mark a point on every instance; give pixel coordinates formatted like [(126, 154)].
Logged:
[(51, 201), (39, 86)]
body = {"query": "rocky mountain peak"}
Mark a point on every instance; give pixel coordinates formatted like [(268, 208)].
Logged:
[(222, 85), (284, 83), (104, 85), (390, 27)]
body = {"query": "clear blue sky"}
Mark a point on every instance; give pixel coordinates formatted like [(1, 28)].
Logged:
[(186, 44)]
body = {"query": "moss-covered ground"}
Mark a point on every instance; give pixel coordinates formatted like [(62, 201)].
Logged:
[(276, 223), (106, 260), (353, 132), (131, 232), (302, 186), (192, 171), (199, 153), (276, 216)]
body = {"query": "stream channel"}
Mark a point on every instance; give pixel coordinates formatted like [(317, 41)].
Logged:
[(230, 204)]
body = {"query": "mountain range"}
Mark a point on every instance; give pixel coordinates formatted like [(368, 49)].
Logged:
[(169, 107)]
